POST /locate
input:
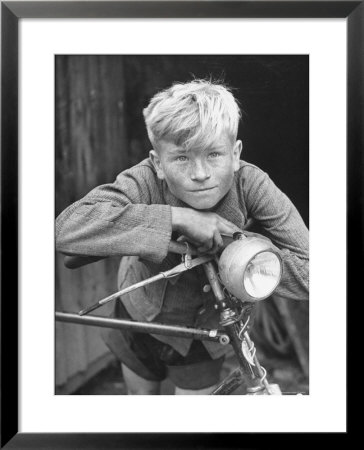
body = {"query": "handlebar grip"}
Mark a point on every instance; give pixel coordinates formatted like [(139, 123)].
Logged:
[(76, 261)]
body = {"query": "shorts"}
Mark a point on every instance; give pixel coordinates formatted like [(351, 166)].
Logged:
[(154, 360)]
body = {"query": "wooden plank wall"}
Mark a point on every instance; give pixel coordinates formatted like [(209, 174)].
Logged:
[(91, 149)]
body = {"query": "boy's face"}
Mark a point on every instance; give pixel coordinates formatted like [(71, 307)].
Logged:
[(200, 178)]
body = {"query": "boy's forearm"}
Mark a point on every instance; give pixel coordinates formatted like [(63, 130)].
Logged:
[(295, 279), (102, 230)]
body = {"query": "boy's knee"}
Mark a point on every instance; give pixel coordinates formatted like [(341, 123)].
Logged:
[(136, 385), (142, 390)]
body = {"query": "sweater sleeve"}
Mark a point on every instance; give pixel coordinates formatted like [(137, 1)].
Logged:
[(282, 223), (118, 219)]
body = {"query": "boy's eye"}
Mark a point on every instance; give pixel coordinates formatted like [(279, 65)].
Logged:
[(181, 158)]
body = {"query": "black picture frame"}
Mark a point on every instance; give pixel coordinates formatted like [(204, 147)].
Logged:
[(11, 12)]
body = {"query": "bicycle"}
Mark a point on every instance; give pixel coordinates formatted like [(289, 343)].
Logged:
[(248, 270)]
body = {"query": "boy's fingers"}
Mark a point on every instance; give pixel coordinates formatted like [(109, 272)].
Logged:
[(213, 244), (182, 238), (218, 242), (227, 222), (228, 227), (206, 247)]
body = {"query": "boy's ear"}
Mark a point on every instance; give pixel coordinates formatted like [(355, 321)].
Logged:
[(238, 147), (157, 164)]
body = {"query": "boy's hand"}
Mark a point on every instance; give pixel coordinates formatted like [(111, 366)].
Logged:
[(203, 229)]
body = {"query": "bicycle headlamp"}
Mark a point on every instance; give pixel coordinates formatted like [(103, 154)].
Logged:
[(250, 267)]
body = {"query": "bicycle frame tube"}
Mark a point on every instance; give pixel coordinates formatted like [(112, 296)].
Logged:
[(143, 327)]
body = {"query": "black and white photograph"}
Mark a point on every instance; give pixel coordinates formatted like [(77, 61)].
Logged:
[(181, 212), (182, 218)]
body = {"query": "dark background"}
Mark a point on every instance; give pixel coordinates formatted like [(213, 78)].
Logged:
[(100, 132)]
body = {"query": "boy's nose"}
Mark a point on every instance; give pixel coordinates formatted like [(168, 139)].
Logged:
[(200, 172)]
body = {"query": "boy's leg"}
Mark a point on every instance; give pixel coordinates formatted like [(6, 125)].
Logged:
[(198, 378), (206, 391), (136, 385)]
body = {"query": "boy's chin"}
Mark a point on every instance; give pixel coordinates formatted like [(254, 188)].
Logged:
[(202, 205)]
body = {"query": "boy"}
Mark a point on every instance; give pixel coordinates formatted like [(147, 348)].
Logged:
[(193, 185)]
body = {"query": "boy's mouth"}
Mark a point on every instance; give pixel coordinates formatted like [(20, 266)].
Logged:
[(203, 189)]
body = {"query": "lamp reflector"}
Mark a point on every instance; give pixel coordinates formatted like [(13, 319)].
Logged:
[(262, 274)]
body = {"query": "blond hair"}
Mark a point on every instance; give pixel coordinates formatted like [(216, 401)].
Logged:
[(192, 114)]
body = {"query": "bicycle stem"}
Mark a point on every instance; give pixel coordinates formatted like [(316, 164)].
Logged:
[(231, 328)]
